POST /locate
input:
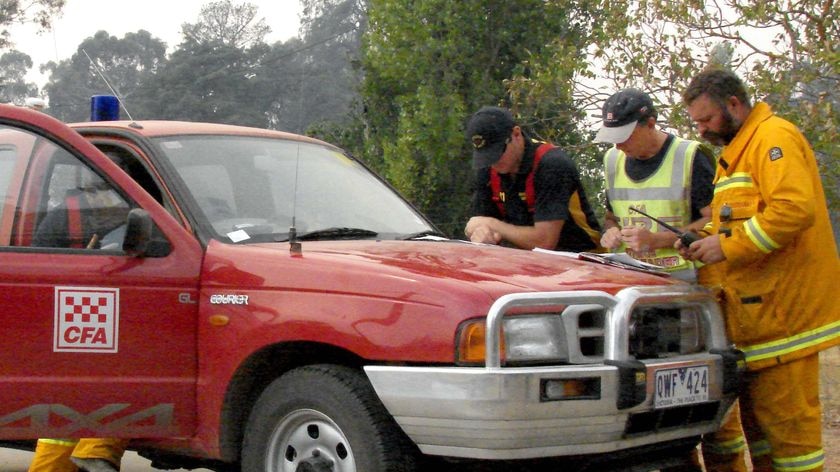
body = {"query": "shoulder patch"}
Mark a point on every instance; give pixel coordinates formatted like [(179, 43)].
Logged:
[(775, 153)]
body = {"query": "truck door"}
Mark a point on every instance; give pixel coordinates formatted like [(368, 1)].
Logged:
[(96, 342)]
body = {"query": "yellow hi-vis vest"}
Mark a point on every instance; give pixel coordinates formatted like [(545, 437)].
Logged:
[(666, 195)]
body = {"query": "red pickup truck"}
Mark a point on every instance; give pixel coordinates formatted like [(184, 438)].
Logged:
[(239, 298)]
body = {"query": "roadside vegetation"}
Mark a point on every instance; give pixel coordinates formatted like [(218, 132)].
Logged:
[(394, 81)]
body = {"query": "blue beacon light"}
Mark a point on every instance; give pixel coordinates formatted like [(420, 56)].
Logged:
[(104, 108)]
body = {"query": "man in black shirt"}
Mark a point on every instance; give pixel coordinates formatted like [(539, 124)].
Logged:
[(527, 193)]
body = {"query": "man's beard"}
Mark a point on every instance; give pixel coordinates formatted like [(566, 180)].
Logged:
[(727, 132)]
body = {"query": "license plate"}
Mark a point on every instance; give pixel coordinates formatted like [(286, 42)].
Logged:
[(681, 386)]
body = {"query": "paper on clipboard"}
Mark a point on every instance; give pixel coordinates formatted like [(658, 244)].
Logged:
[(613, 259)]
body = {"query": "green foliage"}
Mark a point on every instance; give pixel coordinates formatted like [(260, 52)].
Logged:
[(208, 82), (13, 85), (125, 63), (234, 25), (319, 73), (789, 56), (40, 12), (428, 65)]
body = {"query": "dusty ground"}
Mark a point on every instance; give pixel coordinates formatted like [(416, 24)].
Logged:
[(830, 394)]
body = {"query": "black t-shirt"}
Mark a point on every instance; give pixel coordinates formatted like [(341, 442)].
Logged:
[(558, 193), (702, 175)]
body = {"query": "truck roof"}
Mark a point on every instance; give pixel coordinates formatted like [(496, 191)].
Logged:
[(159, 128)]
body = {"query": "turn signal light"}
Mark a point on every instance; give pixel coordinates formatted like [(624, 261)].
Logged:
[(471, 348), (588, 388)]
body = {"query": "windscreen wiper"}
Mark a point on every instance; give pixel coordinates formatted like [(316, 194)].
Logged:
[(334, 233), (420, 234)]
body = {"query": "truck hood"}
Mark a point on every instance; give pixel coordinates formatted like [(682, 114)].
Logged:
[(453, 266), (394, 301)]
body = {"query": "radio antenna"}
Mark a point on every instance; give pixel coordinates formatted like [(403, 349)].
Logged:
[(295, 247), (105, 79)]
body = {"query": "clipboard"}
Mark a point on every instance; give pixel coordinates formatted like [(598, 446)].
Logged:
[(621, 260)]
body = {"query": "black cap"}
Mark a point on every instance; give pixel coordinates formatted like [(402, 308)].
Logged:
[(488, 131), (621, 112)]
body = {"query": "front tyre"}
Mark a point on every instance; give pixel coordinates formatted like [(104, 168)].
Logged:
[(324, 418)]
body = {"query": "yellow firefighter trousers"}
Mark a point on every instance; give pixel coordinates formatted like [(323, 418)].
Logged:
[(53, 455), (782, 417), (725, 449)]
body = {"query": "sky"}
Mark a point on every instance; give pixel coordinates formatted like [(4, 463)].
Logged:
[(81, 19)]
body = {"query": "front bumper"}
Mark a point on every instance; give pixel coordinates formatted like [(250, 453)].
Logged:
[(496, 412)]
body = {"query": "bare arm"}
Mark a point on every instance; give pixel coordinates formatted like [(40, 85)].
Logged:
[(543, 234)]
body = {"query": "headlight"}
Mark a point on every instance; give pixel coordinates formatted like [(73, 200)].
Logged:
[(657, 332), (526, 340)]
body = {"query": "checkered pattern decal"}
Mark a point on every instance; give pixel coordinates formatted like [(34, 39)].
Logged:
[(86, 319)]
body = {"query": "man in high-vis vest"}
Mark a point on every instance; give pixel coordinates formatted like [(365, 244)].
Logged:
[(528, 194), (669, 178), (663, 175), (775, 259)]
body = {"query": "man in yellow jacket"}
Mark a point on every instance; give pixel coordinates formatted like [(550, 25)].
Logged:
[(771, 236)]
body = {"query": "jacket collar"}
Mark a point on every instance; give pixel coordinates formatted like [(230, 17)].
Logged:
[(734, 150)]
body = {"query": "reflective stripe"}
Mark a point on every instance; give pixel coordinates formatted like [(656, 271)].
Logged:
[(760, 448), (611, 164), (74, 221), (794, 343), (736, 180), (807, 462), (665, 194), (733, 446), (60, 442), (676, 189), (661, 193), (759, 237)]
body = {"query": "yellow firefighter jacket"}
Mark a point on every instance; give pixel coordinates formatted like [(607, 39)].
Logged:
[(781, 266)]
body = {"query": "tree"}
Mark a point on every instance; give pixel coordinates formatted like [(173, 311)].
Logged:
[(331, 31), (13, 85), (125, 63), (214, 74), (40, 12), (428, 65), (209, 82), (787, 52), (234, 25)]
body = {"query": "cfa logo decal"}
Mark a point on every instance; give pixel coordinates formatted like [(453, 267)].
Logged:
[(111, 418), (86, 319)]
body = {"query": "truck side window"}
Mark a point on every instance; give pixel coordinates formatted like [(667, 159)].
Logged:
[(7, 164), (82, 210), (133, 166)]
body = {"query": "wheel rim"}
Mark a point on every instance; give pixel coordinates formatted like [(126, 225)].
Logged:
[(309, 438)]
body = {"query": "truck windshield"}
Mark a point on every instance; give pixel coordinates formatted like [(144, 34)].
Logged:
[(247, 189)]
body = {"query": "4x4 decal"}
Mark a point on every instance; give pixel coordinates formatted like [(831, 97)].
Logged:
[(62, 420)]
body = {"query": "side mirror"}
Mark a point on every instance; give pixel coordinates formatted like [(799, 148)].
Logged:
[(138, 232)]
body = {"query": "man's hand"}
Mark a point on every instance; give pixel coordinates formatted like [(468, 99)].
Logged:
[(480, 230), (707, 250), (637, 238), (611, 239)]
